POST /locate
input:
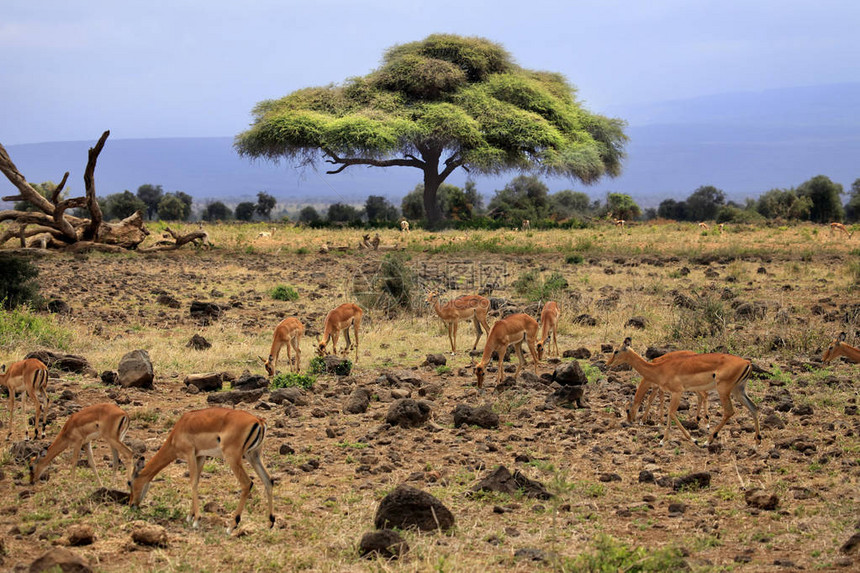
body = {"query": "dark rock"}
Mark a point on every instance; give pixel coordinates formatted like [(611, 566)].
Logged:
[(384, 543), (481, 416), (585, 320), (149, 535), (168, 301), (761, 499), (64, 362), (59, 559), (501, 480), (646, 477), (408, 507), (677, 508), (80, 534), (292, 394), (408, 413), (851, 546), (197, 342), (636, 322), (436, 360), (337, 365), (286, 450), (57, 306), (751, 311), (802, 410), (608, 477), (105, 495), (236, 396), (109, 377), (248, 381), (208, 310), (697, 480), (531, 554), (209, 382), (135, 370), (772, 422), (567, 396), (570, 374), (581, 353), (357, 402)]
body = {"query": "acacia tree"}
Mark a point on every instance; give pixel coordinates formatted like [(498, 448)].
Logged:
[(436, 105)]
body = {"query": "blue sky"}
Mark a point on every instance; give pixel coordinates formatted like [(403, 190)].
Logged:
[(71, 69)]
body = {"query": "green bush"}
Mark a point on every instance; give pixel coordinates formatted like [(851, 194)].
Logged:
[(318, 366), (283, 292), (534, 287), (293, 379), (574, 259), (21, 327), (18, 283)]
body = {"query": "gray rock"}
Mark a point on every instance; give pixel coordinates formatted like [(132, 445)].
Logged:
[(408, 413), (59, 559), (292, 395), (481, 416), (385, 543), (503, 481), (135, 370), (236, 396), (570, 374), (760, 499), (208, 382)]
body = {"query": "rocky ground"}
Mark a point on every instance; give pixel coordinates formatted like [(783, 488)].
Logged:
[(589, 482)]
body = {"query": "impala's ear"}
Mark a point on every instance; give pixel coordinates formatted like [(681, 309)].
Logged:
[(842, 337), (627, 341), (138, 465)]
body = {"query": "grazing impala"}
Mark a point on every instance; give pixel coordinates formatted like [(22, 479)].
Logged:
[(548, 327), (725, 373), (337, 320), (841, 228), (106, 421), (231, 434), (29, 378), (468, 307), (288, 333), (704, 226), (510, 330), (839, 348)]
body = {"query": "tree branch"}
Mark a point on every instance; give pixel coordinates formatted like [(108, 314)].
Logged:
[(59, 189), (90, 185), (344, 162)]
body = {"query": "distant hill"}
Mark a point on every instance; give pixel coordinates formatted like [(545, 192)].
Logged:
[(744, 144)]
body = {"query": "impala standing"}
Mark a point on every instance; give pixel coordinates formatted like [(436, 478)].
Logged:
[(726, 373), (288, 333), (839, 348), (510, 330), (467, 307), (231, 434), (337, 320), (106, 421), (548, 327), (650, 384), (29, 378)]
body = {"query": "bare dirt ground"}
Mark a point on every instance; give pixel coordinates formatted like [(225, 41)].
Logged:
[(332, 468)]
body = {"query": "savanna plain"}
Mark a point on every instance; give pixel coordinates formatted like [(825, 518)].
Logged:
[(775, 295)]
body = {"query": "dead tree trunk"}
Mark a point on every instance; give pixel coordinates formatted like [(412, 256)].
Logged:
[(67, 231)]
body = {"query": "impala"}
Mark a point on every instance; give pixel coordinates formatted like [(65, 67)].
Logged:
[(619, 223), (231, 434), (337, 320), (839, 348), (510, 330), (404, 226), (704, 226), (467, 307), (725, 373), (527, 225), (30, 378), (548, 327), (647, 384), (841, 228), (288, 333), (106, 421)]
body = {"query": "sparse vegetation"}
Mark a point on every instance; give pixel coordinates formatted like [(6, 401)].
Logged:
[(293, 379), (285, 292)]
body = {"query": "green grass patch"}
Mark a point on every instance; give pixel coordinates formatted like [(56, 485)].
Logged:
[(23, 327)]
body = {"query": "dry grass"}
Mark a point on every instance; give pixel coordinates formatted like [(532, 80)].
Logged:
[(323, 513)]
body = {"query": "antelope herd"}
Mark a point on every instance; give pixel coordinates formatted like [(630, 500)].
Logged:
[(236, 435)]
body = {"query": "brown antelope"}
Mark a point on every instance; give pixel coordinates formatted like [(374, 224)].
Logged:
[(839, 348), (230, 434), (725, 373), (106, 421), (288, 333), (513, 329), (548, 327), (647, 384), (29, 378), (619, 223), (467, 307), (404, 226), (527, 225), (704, 226), (721, 228), (337, 320), (841, 228)]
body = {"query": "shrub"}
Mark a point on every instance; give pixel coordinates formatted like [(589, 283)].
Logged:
[(574, 259), (612, 555), (283, 292), (18, 283), (319, 366), (392, 287), (534, 287), (293, 379)]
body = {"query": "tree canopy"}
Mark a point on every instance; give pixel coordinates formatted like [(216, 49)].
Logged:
[(436, 105)]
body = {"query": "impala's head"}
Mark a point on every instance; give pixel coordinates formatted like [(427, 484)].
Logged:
[(267, 364), (321, 352), (832, 351), (138, 486), (432, 296), (32, 463), (480, 371), (619, 356)]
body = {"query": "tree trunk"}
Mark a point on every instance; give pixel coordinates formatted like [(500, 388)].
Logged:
[(432, 181)]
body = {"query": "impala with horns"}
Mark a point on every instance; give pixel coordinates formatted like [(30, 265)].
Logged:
[(106, 421), (513, 329), (647, 384), (724, 372), (839, 348), (467, 307), (337, 320), (29, 378), (548, 327), (231, 434), (287, 334)]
